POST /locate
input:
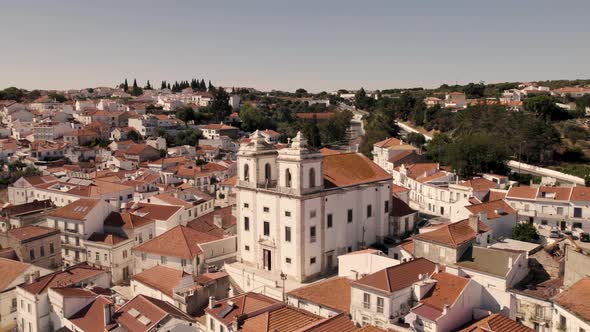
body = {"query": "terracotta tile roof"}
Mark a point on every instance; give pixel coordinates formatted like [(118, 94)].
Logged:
[(327, 152), (408, 246), (153, 211), (242, 304), (179, 241), (452, 235), (398, 189), (496, 323), (162, 278), (388, 142), (495, 195), (340, 323), (284, 319), (580, 194), (479, 184), (91, 317), (492, 209), (10, 270), (407, 157), (400, 208), (70, 276), (77, 210), (445, 291), (31, 232), (218, 126), (126, 220), (230, 181), (153, 309), (397, 277), (205, 278), (74, 292), (206, 223), (559, 193), (575, 299), (522, 192), (348, 169), (333, 293), (416, 171), (108, 239)]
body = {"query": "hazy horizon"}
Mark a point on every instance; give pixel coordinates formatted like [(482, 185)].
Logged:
[(319, 46)]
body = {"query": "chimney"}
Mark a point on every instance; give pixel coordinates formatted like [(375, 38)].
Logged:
[(445, 309), (474, 223), (218, 220), (436, 268), (211, 302), (510, 262), (483, 216)]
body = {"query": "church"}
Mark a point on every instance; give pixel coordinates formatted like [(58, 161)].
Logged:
[(298, 208)]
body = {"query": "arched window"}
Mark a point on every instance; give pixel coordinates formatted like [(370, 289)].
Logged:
[(287, 178), (246, 172), (312, 178), (267, 172)]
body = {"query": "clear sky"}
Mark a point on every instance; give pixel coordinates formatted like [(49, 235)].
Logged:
[(318, 45)]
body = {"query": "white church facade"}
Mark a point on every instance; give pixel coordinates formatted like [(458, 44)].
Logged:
[(299, 209)]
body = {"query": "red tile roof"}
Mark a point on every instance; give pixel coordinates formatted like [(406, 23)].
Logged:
[(77, 210), (333, 293), (153, 309), (348, 169), (446, 291), (452, 235), (107, 239), (70, 276), (31, 232), (496, 323), (400, 208), (580, 194), (492, 209), (522, 192), (126, 220), (284, 319), (91, 317), (179, 241), (397, 277), (162, 278), (154, 211), (575, 299), (9, 271), (242, 304)]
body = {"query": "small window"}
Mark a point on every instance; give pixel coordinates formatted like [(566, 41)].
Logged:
[(163, 260), (287, 213), (32, 254), (51, 248), (266, 228), (380, 302), (329, 221), (287, 234), (312, 214), (369, 211), (42, 251), (247, 248), (246, 223), (183, 262), (366, 300), (386, 207), (312, 261), (246, 205), (266, 209), (288, 260), (312, 234), (349, 218)]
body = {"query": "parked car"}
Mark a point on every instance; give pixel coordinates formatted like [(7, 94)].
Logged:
[(584, 237), (554, 234)]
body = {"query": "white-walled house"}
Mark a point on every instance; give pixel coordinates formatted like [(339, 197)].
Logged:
[(497, 271), (446, 302), (565, 207), (359, 263), (498, 215), (34, 310), (77, 221), (570, 314), (112, 253), (185, 249), (325, 298), (381, 298), (14, 273)]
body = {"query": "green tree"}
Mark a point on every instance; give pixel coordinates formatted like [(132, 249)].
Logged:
[(335, 130), (379, 127), (125, 86), (545, 107), (185, 114), (220, 106), (416, 139), (437, 147), (362, 101), (477, 153), (134, 136), (148, 86), (525, 232), (311, 132), (250, 118)]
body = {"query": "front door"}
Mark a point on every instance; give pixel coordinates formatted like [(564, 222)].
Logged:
[(266, 258), (126, 273), (563, 225), (329, 262)]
